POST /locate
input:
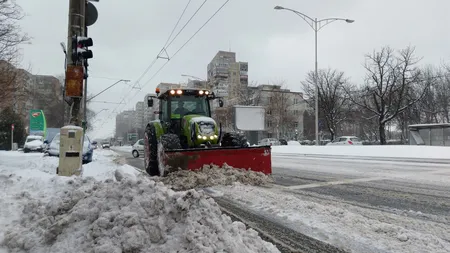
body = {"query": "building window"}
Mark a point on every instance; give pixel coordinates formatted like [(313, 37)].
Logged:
[(296, 125), (269, 123), (269, 112), (295, 101)]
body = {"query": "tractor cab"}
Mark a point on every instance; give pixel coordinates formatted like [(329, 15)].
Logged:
[(179, 108)]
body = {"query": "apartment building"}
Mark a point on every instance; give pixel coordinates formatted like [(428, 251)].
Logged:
[(284, 111)]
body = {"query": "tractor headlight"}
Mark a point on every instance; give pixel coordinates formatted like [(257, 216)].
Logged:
[(200, 92), (211, 137), (204, 137), (215, 136), (199, 136), (172, 92)]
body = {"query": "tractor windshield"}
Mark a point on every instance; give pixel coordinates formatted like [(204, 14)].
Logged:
[(184, 105)]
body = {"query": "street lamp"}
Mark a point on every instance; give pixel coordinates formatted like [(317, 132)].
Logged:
[(316, 25)]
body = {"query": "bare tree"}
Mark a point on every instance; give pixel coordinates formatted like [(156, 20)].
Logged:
[(389, 81), (11, 36), (334, 102)]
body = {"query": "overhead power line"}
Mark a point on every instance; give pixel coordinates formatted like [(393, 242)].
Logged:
[(184, 44)]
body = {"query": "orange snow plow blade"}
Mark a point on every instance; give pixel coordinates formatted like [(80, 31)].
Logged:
[(256, 159)]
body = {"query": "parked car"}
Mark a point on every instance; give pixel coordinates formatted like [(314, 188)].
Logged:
[(105, 145), (268, 142), (283, 142), (346, 140), (34, 143), (88, 150), (138, 148)]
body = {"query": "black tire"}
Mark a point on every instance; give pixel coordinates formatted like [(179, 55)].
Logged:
[(25, 150), (135, 154), (170, 141), (151, 151), (234, 140)]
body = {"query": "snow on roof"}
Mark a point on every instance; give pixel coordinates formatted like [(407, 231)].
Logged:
[(203, 119), (432, 125), (35, 136), (71, 127)]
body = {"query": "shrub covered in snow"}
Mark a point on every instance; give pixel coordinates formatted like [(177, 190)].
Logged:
[(213, 175), (129, 215)]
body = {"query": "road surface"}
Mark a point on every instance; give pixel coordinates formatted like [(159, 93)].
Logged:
[(388, 186)]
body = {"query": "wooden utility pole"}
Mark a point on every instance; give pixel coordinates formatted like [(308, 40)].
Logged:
[(77, 13)]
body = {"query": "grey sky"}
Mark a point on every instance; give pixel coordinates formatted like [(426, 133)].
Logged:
[(277, 44)]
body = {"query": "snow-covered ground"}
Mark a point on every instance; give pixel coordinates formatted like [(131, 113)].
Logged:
[(350, 227), (111, 208), (122, 148), (391, 151)]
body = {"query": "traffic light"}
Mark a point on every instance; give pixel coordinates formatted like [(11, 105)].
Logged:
[(80, 49)]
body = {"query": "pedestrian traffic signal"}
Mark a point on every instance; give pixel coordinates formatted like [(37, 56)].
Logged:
[(80, 49)]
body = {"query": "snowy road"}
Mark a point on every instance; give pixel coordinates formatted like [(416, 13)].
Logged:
[(389, 186), (358, 205)]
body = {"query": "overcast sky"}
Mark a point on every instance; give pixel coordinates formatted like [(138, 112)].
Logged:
[(278, 45)]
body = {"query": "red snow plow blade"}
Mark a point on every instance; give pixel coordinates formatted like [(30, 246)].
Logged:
[(256, 159)]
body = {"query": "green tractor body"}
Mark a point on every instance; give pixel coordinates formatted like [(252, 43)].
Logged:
[(186, 136)]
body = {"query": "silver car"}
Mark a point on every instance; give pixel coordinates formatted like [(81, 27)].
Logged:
[(138, 148)]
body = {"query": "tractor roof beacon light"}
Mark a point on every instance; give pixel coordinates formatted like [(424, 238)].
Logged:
[(157, 90)]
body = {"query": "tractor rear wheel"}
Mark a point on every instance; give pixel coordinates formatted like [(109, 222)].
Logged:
[(151, 151), (234, 140)]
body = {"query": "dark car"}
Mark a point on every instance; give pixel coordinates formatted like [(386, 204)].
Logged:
[(283, 142)]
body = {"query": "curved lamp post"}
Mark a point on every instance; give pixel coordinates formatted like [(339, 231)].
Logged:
[(316, 25)]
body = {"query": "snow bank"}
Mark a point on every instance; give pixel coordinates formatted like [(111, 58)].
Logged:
[(350, 227), (401, 151), (122, 148), (128, 215), (213, 175)]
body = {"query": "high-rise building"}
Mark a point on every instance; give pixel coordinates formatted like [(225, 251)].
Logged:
[(139, 115), (125, 124), (227, 78)]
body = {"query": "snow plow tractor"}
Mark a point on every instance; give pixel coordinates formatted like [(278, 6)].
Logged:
[(185, 137)]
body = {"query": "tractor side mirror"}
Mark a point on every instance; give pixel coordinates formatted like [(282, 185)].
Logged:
[(221, 103), (150, 102)]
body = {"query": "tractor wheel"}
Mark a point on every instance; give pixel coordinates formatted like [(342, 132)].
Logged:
[(151, 151), (234, 140), (170, 141)]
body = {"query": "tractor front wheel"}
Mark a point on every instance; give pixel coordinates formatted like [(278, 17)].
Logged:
[(151, 151)]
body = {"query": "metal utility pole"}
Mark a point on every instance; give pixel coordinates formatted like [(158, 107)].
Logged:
[(316, 25), (77, 13)]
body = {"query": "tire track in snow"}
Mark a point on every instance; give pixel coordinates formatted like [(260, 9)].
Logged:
[(286, 239)]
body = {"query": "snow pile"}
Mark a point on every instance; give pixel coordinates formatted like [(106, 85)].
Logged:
[(213, 175), (128, 215)]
